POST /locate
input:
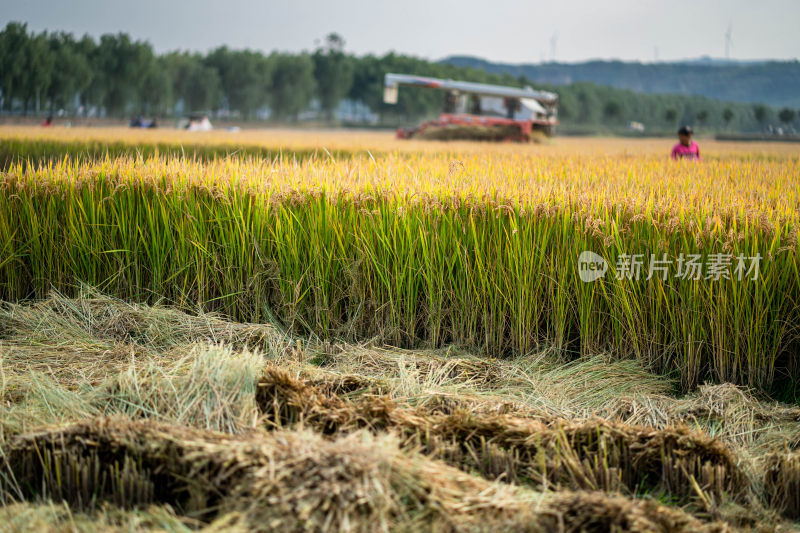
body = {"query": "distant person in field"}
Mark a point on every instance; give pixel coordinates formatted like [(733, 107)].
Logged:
[(686, 148), (48, 121)]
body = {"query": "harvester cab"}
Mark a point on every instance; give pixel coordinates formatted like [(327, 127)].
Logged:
[(479, 111)]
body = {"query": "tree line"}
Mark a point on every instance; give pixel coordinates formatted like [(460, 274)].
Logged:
[(772, 82), (45, 72)]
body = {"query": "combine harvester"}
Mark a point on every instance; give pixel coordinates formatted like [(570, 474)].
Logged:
[(479, 111)]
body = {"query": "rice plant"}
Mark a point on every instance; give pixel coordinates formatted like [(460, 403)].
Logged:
[(476, 248)]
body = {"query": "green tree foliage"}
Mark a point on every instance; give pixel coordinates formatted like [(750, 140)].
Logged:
[(71, 73), (244, 76), (760, 112), (367, 83), (727, 115), (14, 45), (333, 73), (292, 84), (567, 106), (37, 76), (612, 110), (120, 66), (156, 91), (195, 83), (588, 103), (92, 93), (786, 115)]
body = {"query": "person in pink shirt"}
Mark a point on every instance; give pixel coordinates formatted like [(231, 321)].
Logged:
[(686, 148)]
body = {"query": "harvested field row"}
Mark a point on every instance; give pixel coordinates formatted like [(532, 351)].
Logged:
[(544, 387), (782, 482), (96, 321), (226, 393), (80, 342), (293, 480), (595, 455), (530, 421)]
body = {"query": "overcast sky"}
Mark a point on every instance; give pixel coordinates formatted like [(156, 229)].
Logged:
[(500, 30)]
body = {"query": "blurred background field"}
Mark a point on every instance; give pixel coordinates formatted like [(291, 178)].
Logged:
[(384, 141)]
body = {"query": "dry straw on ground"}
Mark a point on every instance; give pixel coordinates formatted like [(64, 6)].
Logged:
[(293, 481), (530, 422)]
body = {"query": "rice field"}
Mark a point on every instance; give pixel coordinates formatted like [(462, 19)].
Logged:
[(338, 331)]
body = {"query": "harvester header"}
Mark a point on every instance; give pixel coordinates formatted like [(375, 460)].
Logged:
[(479, 110), (393, 81)]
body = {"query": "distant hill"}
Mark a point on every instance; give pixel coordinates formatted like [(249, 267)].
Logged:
[(775, 83)]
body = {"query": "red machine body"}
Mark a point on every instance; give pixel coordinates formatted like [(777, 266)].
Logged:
[(521, 129), (480, 111)]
